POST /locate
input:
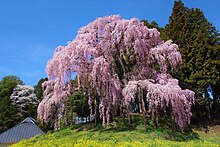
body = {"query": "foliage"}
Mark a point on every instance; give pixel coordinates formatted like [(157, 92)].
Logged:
[(75, 106), (110, 54), (80, 104), (9, 113), (198, 41), (82, 136), (95, 143), (154, 24), (24, 98), (38, 89)]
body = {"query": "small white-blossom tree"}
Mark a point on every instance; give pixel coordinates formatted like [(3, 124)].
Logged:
[(23, 97)]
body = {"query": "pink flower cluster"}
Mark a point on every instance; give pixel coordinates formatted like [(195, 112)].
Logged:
[(161, 93), (92, 55)]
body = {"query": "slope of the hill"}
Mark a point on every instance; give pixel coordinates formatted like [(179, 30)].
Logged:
[(87, 135)]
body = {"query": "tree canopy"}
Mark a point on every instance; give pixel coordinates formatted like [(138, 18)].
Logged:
[(9, 113), (39, 90), (24, 98), (199, 44), (120, 59)]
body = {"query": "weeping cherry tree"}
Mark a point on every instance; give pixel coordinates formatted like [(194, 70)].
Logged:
[(119, 60)]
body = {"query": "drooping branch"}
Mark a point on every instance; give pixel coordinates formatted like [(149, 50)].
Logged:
[(160, 94), (99, 53)]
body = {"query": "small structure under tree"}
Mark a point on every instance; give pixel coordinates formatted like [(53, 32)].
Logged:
[(25, 130)]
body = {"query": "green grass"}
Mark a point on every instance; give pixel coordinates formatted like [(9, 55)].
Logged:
[(88, 135)]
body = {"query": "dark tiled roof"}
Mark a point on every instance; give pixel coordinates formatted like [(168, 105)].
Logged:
[(26, 129)]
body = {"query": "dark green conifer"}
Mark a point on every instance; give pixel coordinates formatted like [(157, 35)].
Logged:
[(198, 41)]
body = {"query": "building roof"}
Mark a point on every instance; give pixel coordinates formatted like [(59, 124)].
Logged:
[(29, 120), (25, 130)]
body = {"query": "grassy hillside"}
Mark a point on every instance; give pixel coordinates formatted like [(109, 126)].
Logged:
[(87, 135)]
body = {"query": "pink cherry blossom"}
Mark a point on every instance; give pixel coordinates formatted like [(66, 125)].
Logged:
[(92, 56)]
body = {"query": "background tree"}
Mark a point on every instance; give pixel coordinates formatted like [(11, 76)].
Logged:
[(9, 113), (198, 41), (24, 98), (80, 104), (38, 89), (75, 106)]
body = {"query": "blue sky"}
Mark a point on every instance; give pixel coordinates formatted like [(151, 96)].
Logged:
[(30, 30)]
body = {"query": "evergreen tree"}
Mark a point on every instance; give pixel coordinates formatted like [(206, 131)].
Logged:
[(9, 113), (38, 89), (198, 41)]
